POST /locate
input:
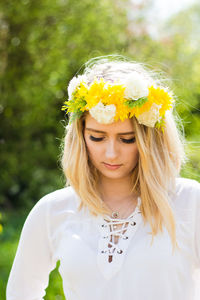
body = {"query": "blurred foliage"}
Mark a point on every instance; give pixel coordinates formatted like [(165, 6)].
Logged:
[(1, 226), (182, 41), (42, 45), (13, 222), (9, 240)]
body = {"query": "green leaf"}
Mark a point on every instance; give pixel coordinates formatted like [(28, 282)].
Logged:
[(136, 103), (160, 124), (75, 115)]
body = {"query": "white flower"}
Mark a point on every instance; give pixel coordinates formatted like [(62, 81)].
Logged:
[(149, 118), (74, 83), (103, 114), (136, 86)]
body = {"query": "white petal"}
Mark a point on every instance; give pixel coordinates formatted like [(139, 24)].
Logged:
[(149, 118), (74, 83), (136, 86), (103, 114)]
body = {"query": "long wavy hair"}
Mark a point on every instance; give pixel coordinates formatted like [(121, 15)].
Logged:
[(161, 154)]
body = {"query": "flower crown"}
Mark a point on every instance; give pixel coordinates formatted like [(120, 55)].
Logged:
[(108, 102)]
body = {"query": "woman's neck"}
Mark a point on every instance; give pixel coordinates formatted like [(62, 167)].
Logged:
[(116, 190)]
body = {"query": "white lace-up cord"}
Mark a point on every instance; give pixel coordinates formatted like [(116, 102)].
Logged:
[(109, 232), (114, 240), (118, 232)]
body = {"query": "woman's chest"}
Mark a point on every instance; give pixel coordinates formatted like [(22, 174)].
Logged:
[(105, 249)]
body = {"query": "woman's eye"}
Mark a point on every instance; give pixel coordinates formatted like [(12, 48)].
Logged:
[(92, 138), (128, 141)]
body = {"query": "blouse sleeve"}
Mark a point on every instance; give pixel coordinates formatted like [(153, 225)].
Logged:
[(33, 262), (197, 226)]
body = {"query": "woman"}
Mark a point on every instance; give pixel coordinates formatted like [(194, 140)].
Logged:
[(126, 227)]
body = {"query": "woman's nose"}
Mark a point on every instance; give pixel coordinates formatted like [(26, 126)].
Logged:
[(111, 150)]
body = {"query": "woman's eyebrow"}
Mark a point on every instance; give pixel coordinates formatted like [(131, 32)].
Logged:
[(119, 133)]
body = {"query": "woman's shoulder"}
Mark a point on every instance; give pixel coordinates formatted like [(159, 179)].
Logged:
[(52, 208), (186, 185), (64, 198), (187, 194)]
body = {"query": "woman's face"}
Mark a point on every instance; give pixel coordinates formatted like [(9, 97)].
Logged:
[(111, 147)]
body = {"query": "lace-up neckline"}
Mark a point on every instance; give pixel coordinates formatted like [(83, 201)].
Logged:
[(115, 236)]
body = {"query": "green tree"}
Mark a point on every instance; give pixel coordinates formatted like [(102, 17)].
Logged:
[(43, 45), (181, 39)]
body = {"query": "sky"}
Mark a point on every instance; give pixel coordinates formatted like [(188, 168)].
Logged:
[(165, 8), (161, 11)]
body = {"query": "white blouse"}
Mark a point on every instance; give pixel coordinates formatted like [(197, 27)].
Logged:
[(93, 265)]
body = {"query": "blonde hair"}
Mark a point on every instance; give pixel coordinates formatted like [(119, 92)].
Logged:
[(161, 155)]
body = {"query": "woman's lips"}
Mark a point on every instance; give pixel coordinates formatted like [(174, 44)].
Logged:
[(112, 167)]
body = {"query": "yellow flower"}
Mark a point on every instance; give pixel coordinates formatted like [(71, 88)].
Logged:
[(82, 91), (104, 92), (1, 228), (122, 111), (160, 96), (100, 95), (96, 93)]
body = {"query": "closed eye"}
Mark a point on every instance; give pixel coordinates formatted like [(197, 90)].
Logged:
[(95, 139), (128, 141)]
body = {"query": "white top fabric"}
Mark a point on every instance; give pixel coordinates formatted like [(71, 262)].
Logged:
[(132, 269)]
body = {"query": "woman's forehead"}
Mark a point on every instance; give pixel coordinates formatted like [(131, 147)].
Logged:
[(125, 126)]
